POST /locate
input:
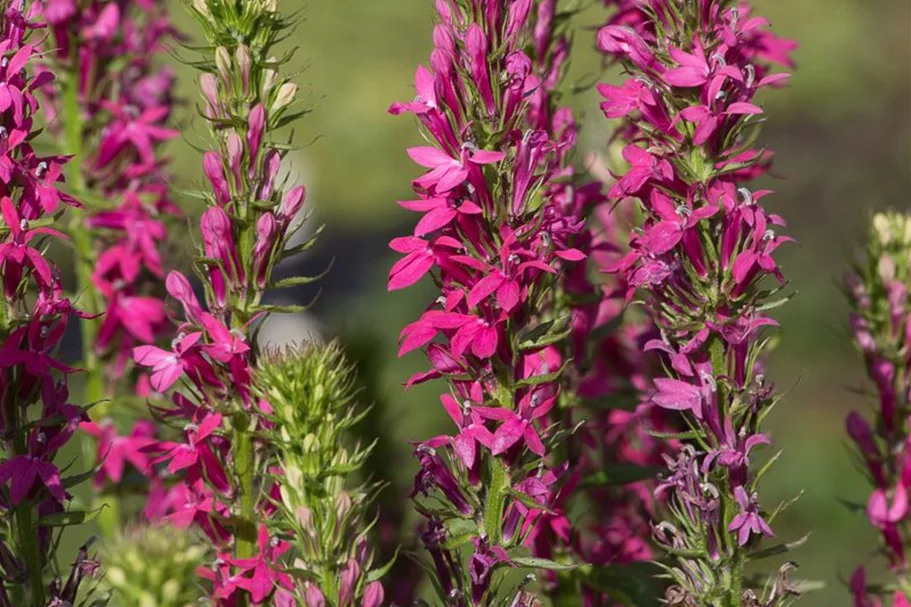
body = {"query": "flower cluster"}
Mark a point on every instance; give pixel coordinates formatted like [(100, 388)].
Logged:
[(704, 258), (227, 478), (312, 392), (36, 416), (604, 386), (153, 567), (877, 290), (495, 242), (111, 111)]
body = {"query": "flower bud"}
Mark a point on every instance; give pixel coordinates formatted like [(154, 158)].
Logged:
[(242, 56), (285, 97), (270, 76), (202, 7), (235, 148), (313, 596), (266, 231), (214, 169), (223, 64), (373, 595), (256, 122), (208, 84)]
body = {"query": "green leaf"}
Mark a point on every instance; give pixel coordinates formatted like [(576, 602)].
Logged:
[(545, 334), (536, 332), (545, 378), (528, 501), (496, 499), (620, 474), (283, 309), (295, 281), (778, 549), (457, 541), (632, 585), (380, 573), (604, 331), (76, 479), (66, 519), (532, 562)]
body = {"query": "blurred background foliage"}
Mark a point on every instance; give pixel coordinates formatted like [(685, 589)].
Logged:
[(842, 136)]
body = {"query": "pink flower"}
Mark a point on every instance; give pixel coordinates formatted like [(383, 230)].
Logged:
[(259, 575), (519, 427), (25, 470), (471, 430), (645, 168), (114, 451), (883, 511), (448, 172), (167, 367), (141, 131), (749, 520)]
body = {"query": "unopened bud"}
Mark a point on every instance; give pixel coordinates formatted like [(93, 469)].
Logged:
[(242, 55), (223, 63), (202, 7), (285, 96), (269, 77)]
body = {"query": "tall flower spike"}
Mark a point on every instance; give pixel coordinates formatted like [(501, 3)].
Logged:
[(877, 289), (607, 373), (704, 259), (312, 393), (109, 110), (495, 246), (36, 418), (229, 483)]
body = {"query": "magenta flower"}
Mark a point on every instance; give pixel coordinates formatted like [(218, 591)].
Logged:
[(24, 471), (448, 172), (142, 132), (167, 367), (115, 451), (687, 105), (749, 521), (37, 418)]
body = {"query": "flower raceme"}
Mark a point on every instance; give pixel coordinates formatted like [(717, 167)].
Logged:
[(702, 258), (877, 289), (36, 415), (113, 107), (496, 246), (231, 472)]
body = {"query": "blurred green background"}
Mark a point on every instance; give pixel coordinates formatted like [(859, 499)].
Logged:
[(843, 141)]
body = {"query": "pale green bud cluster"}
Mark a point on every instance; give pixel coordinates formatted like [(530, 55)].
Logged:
[(254, 23), (890, 245), (154, 567), (244, 71), (312, 392)]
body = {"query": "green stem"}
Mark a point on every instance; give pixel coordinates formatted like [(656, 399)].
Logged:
[(82, 242), (245, 534), (27, 531), (734, 598), (94, 389), (245, 528)]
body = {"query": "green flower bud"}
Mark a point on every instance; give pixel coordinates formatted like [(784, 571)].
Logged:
[(223, 64), (154, 567)]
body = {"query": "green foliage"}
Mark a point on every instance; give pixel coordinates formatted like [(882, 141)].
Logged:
[(154, 567), (312, 391)]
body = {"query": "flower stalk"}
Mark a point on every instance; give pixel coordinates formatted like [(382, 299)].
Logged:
[(232, 479), (704, 260), (36, 416), (877, 291), (495, 245)]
